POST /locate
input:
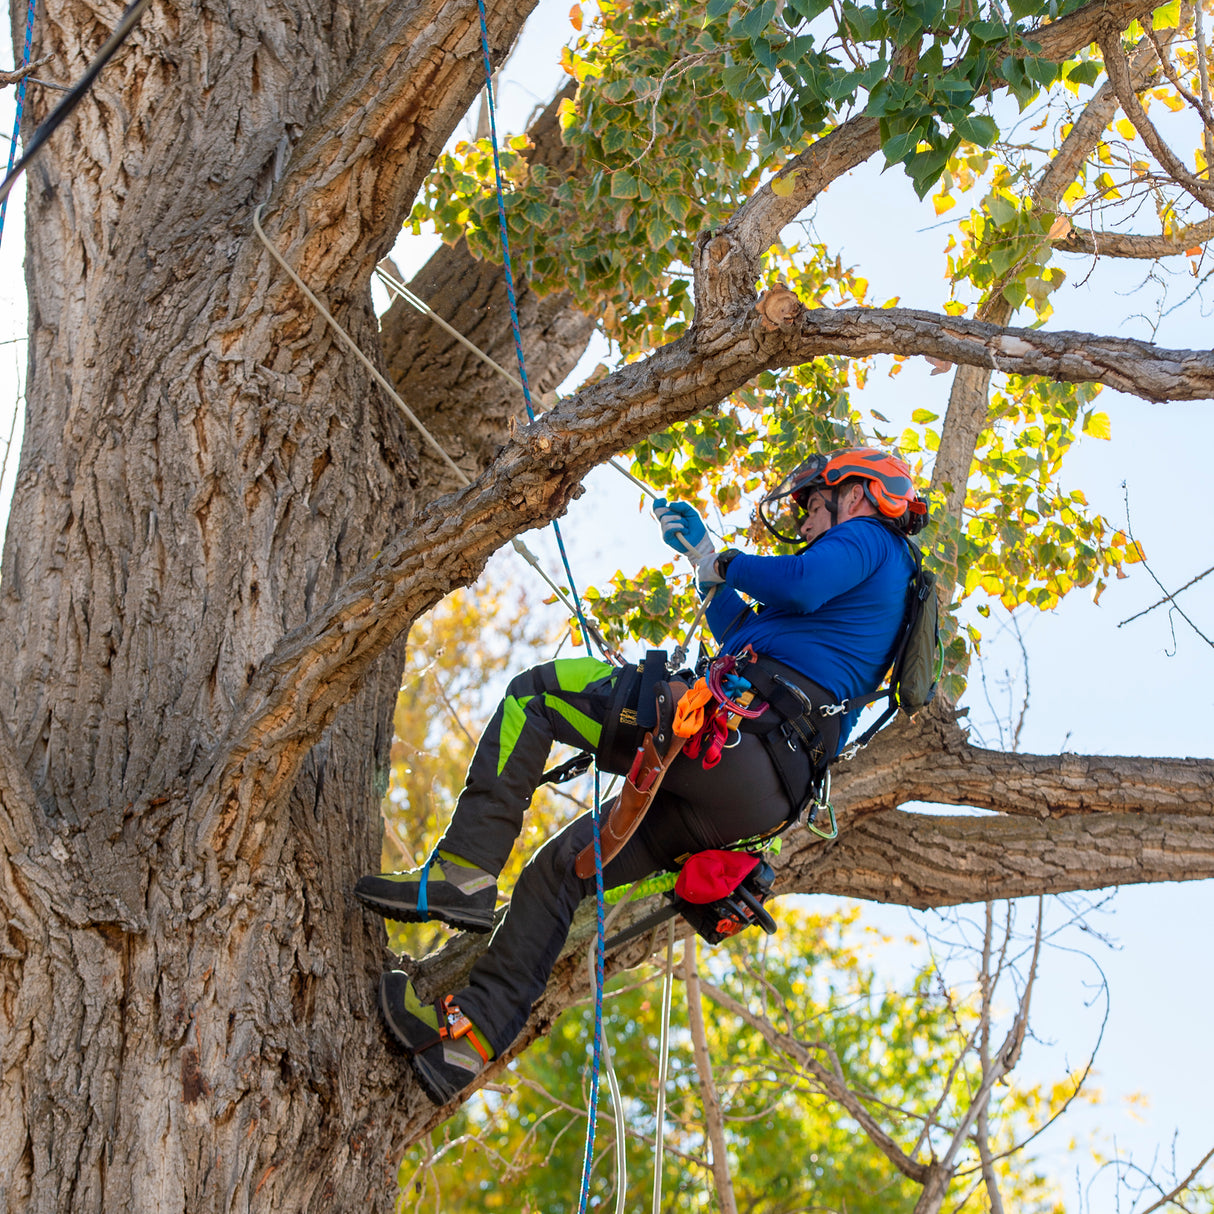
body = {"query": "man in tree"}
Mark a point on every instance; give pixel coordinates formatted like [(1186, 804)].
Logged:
[(830, 619)]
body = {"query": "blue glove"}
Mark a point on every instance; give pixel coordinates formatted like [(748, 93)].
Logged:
[(683, 530)]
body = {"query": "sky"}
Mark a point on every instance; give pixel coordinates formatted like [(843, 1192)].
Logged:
[(1096, 684)]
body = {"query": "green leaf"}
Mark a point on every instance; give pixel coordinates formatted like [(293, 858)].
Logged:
[(987, 31), (977, 128), (623, 184), (1001, 208), (899, 147), (718, 8), (755, 22), (614, 138), (1086, 72), (736, 79), (922, 416)]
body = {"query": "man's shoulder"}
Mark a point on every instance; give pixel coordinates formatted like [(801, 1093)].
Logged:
[(867, 534)]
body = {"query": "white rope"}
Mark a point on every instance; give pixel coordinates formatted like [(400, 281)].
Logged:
[(352, 345), (663, 1065), (415, 301), (424, 308)]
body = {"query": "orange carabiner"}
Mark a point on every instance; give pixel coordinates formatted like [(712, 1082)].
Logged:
[(689, 712)]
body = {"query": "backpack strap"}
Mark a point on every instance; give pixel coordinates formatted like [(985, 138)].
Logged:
[(914, 596)]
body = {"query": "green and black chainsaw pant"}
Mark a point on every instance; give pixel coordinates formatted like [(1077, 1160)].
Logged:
[(568, 701)]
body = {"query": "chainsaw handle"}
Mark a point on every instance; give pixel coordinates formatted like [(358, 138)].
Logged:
[(762, 918)]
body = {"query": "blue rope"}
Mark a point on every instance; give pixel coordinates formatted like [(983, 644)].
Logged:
[(513, 302), (12, 147), (596, 1061)]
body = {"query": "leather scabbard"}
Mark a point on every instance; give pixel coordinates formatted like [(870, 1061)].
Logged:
[(645, 778)]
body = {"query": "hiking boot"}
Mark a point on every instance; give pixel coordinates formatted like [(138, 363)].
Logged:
[(459, 895), (445, 1050)]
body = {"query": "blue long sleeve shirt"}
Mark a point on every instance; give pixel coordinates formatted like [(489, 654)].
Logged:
[(832, 612)]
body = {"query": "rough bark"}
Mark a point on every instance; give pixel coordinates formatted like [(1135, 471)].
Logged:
[(466, 405), (202, 468)]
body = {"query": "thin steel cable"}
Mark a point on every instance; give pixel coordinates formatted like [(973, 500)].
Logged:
[(12, 147)]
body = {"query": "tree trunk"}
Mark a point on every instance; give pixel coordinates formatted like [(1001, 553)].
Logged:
[(192, 1018)]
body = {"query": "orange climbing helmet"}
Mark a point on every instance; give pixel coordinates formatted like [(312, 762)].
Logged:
[(886, 479)]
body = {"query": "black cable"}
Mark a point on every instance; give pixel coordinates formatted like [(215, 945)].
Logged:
[(56, 117)]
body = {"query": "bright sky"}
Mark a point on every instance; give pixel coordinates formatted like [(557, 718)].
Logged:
[(1096, 687)]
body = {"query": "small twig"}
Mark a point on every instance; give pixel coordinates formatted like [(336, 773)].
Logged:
[(1203, 75), (1184, 1184), (1119, 77), (1170, 72), (442, 692), (1168, 597), (15, 77)]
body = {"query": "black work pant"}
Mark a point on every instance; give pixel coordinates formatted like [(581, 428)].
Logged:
[(567, 701)]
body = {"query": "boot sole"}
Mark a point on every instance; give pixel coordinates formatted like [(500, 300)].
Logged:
[(432, 1083), (462, 921)]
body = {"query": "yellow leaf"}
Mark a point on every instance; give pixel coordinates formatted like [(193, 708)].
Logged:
[(1102, 150), (943, 202), (1166, 16), (1125, 128), (859, 288), (783, 187), (1060, 229), (1098, 425), (575, 17), (1173, 102)]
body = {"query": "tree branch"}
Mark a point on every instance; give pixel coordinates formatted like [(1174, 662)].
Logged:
[(713, 1119), (362, 159), (1127, 244), (735, 251), (1109, 40), (467, 406), (831, 1082), (1139, 368), (316, 668), (927, 861)]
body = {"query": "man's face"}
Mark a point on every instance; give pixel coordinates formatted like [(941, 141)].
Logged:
[(817, 518)]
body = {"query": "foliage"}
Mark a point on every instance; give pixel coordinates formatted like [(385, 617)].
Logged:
[(680, 113), (789, 1147)]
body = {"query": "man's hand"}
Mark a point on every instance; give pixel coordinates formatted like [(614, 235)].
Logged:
[(683, 530)]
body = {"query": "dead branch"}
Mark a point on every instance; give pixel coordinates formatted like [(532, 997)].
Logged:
[(1115, 64), (15, 77)]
